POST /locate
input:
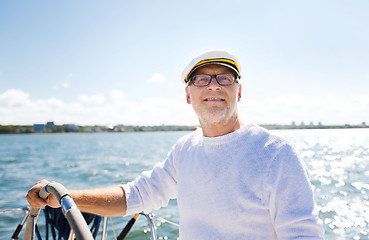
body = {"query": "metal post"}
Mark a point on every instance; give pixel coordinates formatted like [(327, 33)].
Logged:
[(104, 230)]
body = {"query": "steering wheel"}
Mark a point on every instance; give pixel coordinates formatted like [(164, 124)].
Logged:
[(69, 209)]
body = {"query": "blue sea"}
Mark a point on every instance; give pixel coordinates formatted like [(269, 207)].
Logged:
[(337, 159)]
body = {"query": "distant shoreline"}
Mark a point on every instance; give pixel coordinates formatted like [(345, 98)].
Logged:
[(72, 128)]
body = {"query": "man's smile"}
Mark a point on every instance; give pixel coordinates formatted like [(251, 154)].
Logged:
[(213, 99)]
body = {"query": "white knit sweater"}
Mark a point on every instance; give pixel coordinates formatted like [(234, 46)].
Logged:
[(247, 184)]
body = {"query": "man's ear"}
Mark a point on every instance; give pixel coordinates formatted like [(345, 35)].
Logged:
[(188, 96), (239, 92)]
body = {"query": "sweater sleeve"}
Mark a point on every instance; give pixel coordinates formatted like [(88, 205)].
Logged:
[(291, 201), (153, 189)]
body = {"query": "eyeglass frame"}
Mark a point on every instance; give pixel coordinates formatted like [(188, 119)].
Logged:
[(236, 77)]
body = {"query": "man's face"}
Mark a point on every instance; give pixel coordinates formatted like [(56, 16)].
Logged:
[(214, 103)]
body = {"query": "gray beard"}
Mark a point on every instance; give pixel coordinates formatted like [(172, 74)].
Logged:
[(209, 116)]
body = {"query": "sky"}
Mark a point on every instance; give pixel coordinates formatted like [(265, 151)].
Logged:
[(119, 62)]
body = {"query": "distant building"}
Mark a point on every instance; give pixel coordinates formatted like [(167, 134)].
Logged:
[(50, 125), (38, 128)]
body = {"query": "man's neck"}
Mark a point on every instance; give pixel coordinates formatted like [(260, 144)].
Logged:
[(221, 128)]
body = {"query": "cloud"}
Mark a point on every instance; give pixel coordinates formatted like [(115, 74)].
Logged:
[(97, 99), (94, 109), (17, 107), (328, 109), (117, 95), (65, 83), (157, 78), (14, 98)]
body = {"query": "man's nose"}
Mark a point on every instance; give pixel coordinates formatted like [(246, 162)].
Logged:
[(213, 83)]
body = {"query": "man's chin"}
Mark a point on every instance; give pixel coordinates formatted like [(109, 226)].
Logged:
[(213, 117)]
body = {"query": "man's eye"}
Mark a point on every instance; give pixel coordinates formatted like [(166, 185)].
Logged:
[(201, 79)]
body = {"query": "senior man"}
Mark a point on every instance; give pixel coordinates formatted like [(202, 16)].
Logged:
[(231, 180)]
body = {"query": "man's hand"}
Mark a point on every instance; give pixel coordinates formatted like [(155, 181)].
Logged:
[(107, 201), (36, 202)]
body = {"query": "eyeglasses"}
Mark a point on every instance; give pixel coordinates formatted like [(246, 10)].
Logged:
[(204, 80)]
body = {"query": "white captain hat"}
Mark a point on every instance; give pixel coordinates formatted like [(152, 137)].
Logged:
[(219, 57)]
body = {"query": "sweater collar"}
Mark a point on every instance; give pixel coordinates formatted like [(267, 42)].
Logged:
[(228, 138)]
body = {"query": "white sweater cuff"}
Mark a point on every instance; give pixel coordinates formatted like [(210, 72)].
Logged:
[(132, 200)]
